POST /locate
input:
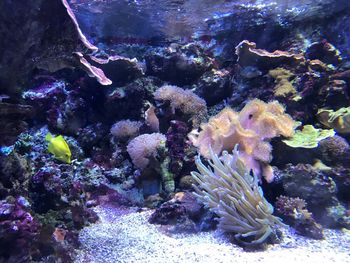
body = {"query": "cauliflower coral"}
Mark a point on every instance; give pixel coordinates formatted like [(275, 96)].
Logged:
[(251, 129)]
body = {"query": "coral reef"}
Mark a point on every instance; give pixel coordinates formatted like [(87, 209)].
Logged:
[(249, 55), (183, 101), (46, 45), (335, 94), (282, 78), (13, 119), (318, 190), (295, 212), (324, 51), (180, 214), (14, 171), (334, 149), (19, 231), (214, 86), (180, 65), (252, 128), (176, 140), (149, 151), (120, 70), (151, 118), (144, 147), (129, 100), (308, 137), (233, 194), (338, 120), (126, 129), (111, 95)]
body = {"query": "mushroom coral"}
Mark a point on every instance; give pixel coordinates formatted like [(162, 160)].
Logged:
[(251, 129)]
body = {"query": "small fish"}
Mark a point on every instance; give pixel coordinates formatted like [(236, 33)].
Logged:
[(59, 148)]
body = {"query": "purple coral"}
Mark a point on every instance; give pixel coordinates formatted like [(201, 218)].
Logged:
[(295, 212), (18, 230)]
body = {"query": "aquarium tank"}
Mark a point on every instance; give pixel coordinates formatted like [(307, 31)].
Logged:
[(175, 131)]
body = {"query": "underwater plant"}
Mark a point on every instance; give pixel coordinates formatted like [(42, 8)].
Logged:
[(230, 191)]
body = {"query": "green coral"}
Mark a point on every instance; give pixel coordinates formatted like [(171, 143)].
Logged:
[(163, 168), (308, 137), (230, 191)]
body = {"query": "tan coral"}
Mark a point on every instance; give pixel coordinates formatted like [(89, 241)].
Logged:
[(338, 120), (282, 78), (151, 118), (184, 101), (251, 129), (249, 55)]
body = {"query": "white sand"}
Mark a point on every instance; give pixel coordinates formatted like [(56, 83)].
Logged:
[(126, 236)]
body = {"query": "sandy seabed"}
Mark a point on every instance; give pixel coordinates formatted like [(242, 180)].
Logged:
[(125, 236)]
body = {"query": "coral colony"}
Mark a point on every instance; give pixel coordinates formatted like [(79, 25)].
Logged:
[(230, 124)]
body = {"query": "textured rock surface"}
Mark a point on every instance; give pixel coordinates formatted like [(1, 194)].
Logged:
[(34, 34)]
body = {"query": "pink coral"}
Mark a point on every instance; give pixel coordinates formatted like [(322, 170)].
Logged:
[(125, 129), (151, 118), (182, 100), (144, 147), (251, 129)]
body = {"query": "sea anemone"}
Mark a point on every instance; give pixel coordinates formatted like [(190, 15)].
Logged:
[(230, 191)]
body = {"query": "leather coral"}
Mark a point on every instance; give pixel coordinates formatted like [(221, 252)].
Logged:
[(251, 129)]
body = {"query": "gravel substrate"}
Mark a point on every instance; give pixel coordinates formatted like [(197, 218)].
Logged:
[(126, 236)]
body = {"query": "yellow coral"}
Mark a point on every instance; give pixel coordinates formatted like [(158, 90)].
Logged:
[(283, 86), (338, 120), (251, 129)]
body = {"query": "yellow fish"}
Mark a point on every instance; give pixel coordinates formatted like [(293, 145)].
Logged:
[(59, 148)]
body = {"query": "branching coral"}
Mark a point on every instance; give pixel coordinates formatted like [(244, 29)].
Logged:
[(251, 129), (229, 190)]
